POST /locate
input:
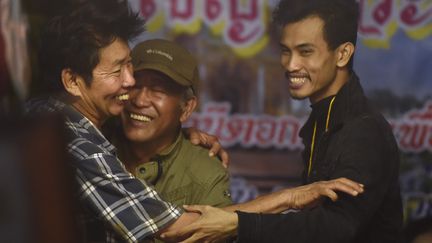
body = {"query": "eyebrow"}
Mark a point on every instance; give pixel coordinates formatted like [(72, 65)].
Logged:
[(304, 45)]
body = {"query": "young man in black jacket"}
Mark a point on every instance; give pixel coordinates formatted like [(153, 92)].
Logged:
[(343, 137)]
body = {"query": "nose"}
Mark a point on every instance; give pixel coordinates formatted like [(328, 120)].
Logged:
[(291, 63), (127, 75), (140, 97)]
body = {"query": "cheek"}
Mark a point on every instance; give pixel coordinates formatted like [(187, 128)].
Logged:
[(283, 60), (105, 90), (167, 104), (113, 84), (328, 70), (318, 68), (172, 111), (313, 65)]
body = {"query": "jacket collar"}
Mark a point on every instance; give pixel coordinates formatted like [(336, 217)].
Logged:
[(125, 152), (172, 150), (350, 101)]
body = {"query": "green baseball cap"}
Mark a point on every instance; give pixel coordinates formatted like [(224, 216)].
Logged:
[(169, 58)]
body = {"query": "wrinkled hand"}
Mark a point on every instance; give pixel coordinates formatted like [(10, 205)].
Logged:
[(203, 139), (311, 194), (214, 225)]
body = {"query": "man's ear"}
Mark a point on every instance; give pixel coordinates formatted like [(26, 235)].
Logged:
[(71, 82), (345, 51), (188, 108)]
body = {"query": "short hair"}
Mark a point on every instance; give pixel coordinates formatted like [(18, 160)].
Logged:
[(340, 18), (73, 40)]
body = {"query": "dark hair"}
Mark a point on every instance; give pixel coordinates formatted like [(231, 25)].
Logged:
[(340, 18), (73, 40)]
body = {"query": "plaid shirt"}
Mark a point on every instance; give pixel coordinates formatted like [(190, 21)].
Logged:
[(118, 206)]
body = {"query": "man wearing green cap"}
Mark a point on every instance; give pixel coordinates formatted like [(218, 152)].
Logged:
[(151, 144)]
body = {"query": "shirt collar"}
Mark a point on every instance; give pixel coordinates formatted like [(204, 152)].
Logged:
[(320, 108), (81, 124), (152, 170), (172, 150), (350, 93)]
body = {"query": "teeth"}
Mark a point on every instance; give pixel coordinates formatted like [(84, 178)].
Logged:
[(298, 80), (123, 97), (140, 117)]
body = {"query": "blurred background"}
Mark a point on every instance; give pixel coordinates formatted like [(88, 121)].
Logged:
[(244, 99)]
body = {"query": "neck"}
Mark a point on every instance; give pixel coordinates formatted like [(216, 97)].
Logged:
[(341, 78), (94, 118)]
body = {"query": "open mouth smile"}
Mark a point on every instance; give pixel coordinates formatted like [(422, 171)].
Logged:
[(298, 80), (139, 117), (122, 97)]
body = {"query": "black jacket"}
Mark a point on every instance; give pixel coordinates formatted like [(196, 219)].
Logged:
[(359, 145)]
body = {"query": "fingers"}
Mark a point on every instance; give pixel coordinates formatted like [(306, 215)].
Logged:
[(357, 186), (344, 185), (345, 188), (213, 225), (194, 208), (331, 194), (199, 238), (192, 239), (225, 158), (193, 134), (205, 140), (187, 230), (180, 233), (198, 137), (216, 148), (195, 139)]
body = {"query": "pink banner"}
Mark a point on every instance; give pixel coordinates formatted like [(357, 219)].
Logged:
[(413, 130)]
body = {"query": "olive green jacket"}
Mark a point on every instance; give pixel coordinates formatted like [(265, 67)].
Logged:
[(185, 174)]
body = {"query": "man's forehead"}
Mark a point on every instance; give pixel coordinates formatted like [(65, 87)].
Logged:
[(309, 24), (304, 33)]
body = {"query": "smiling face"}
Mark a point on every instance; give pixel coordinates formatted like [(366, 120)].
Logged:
[(312, 69), (156, 109), (108, 91)]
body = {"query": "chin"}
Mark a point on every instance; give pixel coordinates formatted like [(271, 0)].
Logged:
[(297, 96), (139, 140), (137, 136), (301, 93), (116, 111)]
